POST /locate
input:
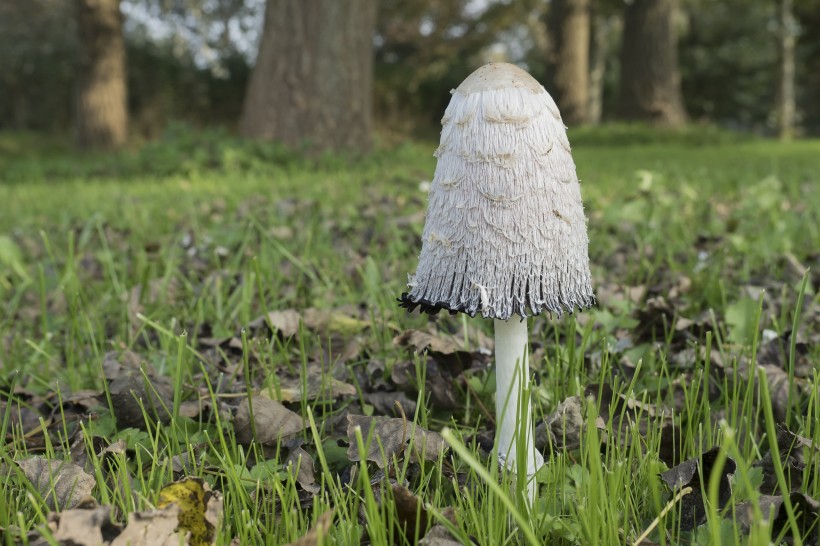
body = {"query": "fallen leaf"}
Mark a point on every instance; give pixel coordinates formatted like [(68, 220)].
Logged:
[(439, 383), (412, 517), (625, 412), (282, 323), (793, 444), (272, 421), (317, 533), (424, 341), (385, 403), (301, 465), (139, 402), (439, 535), (61, 484), (89, 525), (23, 413), (294, 389), (153, 528), (101, 448), (285, 323), (564, 427), (445, 349), (807, 516), (139, 395), (610, 295), (776, 352), (792, 470), (691, 473), (392, 437), (339, 321), (116, 363), (200, 509)]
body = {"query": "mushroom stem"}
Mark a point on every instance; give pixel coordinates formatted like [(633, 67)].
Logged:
[(514, 411)]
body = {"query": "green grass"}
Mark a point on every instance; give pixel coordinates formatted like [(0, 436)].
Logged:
[(193, 237)]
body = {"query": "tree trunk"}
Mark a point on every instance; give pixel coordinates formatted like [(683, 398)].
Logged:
[(312, 84), (569, 22), (603, 29), (650, 78), (786, 110), (101, 115)]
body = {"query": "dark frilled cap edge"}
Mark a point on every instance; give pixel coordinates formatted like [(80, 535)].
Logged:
[(428, 307)]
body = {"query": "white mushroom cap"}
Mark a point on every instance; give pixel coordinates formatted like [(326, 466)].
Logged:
[(505, 231)]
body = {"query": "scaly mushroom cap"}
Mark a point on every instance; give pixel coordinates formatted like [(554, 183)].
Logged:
[(505, 231)]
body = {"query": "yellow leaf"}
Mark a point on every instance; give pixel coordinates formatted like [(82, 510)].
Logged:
[(199, 508)]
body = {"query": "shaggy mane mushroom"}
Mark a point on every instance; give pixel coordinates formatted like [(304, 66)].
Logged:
[(505, 233)]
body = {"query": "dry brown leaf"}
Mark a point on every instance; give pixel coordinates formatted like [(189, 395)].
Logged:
[(62, 485), (315, 536), (89, 526), (117, 363), (272, 420), (339, 321), (439, 535), (564, 428), (410, 513), (153, 528), (291, 389), (284, 323), (609, 294), (137, 399), (301, 465), (385, 403), (101, 448), (392, 437), (807, 516), (693, 473), (422, 341)]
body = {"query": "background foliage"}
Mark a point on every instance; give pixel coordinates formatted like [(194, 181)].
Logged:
[(190, 61)]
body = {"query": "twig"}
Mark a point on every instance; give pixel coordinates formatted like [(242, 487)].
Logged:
[(682, 493)]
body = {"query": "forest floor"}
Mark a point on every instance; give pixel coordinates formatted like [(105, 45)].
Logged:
[(201, 336)]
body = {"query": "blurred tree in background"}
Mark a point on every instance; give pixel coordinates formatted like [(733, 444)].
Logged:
[(191, 61), (807, 15), (313, 80), (569, 30), (650, 78), (100, 114)]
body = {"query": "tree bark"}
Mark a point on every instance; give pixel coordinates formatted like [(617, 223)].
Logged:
[(312, 84), (650, 87), (101, 115), (569, 23), (786, 109), (603, 29)]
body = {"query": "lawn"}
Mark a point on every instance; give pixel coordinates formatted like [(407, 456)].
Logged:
[(202, 307)]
